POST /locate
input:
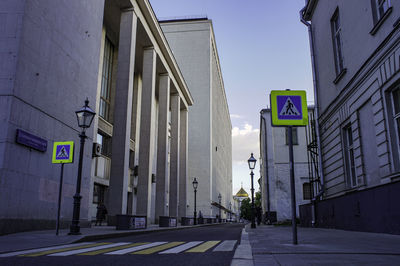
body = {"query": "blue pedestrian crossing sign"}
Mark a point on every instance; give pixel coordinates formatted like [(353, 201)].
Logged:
[(63, 152), (289, 108)]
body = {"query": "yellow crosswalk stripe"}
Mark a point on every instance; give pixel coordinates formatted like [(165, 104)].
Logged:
[(158, 248), (204, 247), (61, 250), (96, 252)]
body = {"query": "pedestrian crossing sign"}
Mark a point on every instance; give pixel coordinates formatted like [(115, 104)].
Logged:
[(289, 108), (63, 152)]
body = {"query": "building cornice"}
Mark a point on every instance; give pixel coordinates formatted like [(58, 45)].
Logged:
[(309, 9)]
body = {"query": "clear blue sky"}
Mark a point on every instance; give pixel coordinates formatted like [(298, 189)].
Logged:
[(262, 46)]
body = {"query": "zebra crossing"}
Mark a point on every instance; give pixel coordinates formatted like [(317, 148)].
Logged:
[(127, 248)]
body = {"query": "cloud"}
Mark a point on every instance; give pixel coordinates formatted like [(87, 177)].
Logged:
[(236, 116), (244, 142)]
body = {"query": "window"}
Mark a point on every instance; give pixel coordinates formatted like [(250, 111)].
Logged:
[(98, 193), (105, 142), (295, 140), (379, 9), (306, 191), (106, 80), (337, 43), (349, 157), (396, 113)]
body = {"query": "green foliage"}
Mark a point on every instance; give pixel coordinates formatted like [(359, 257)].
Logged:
[(245, 209)]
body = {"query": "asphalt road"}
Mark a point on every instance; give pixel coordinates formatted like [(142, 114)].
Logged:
[(209, 245)]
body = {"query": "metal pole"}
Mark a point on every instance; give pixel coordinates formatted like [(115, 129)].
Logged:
[(59, 199), (253, 223), (195, 213), (75, 228), (219, 210), (292, 188)]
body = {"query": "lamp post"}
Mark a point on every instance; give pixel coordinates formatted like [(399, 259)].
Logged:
[(230, 211), (195, 184), (252, 164), (85, 117), (219, 201)]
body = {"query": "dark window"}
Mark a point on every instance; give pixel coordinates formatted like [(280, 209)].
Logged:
[(98, 193), (105, 142), (106, 80), (351, 177), (295, 139), (379, 9), (337, 42), (306, 191), (396, 114)]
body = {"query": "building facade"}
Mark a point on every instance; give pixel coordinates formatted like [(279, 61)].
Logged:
[(355, 47), (210, 143), (55, 54), (275, 171)]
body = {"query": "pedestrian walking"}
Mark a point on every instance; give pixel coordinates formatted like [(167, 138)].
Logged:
[(101, 213)]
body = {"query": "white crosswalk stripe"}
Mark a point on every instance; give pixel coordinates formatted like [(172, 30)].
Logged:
[(16, 253), (120, 248), (227, 245), (129, 250), (73, 252), (181, 247)]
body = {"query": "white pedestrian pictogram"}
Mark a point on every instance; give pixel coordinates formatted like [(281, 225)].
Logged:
[(63, 153), (289, 109)]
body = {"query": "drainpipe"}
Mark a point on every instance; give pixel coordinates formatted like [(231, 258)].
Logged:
[(316, 110), (266, 161)]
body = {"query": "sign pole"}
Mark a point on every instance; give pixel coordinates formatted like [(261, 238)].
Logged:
[(292, 185), (59, 199)]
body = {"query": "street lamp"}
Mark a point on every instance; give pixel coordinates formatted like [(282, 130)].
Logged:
[(85, 117), (219, 201), (195, 184), (230, 211), (252, 164)]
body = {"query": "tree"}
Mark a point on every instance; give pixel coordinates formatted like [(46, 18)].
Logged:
[(245, 209)]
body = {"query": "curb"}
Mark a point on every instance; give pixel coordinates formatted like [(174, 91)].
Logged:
[(243, 254)]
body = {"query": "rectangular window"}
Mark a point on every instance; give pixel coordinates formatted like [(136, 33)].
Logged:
[(106, 80), (105, 142), (337, 43), (295, 139), (98, 193), (306, 191), (396, 114), (379, 9), (349, 157)]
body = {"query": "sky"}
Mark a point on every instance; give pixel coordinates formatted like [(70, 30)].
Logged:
[(262, 46)]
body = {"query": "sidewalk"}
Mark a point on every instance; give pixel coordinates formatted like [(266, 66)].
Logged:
[(272, 245), (38, 239)]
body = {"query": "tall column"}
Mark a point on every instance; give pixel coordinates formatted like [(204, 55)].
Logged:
[(183, 156), (162, 184), (122, 115), (146, 145), (174, 161)]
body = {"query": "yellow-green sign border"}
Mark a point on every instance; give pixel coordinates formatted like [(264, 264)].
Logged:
[(71, 152), (288, 122)]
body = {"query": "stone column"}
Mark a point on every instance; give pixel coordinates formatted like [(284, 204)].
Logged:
[(146, 145), (122, 116), (174, 161), (183, 156), (162, 184)]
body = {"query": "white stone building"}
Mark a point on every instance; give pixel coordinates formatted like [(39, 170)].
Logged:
[(54, 54), (210, 143), (275, 171)]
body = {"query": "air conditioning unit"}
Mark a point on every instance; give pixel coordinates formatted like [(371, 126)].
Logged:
[(96, 149)]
